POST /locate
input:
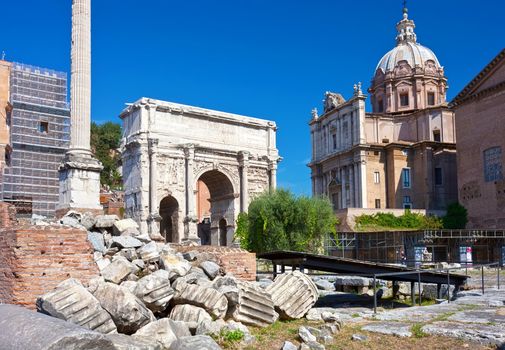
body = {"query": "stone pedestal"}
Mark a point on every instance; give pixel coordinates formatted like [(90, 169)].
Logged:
[(79, 184), (191, 230)]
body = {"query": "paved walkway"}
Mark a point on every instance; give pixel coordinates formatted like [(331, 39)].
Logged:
[(471, 316)]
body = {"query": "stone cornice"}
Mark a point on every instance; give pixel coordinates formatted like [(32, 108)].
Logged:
[(223, 117), (464, 95), (484, 93)]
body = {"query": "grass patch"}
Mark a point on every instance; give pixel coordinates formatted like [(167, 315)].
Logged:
[(417, 330), (276, 333), (424, 302), (229, 339), (468, 307), (443, 317)]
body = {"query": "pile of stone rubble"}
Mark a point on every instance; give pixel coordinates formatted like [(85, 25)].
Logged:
[(148, 296)]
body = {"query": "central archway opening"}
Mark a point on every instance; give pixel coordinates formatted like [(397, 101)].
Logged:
[(215, 208), (169, 212)]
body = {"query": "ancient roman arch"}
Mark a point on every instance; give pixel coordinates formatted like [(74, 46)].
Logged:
[(188, 172)]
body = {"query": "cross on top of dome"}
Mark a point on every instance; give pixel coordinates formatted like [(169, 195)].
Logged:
[(405, 28)]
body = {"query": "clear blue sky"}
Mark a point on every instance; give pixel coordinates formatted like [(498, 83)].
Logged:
[(271, 59)]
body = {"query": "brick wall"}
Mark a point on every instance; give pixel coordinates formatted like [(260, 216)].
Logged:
[(7, 215), (34, 259), (239, 262)]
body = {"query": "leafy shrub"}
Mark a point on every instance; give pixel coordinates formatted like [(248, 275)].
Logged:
[(233, 336), (456, 217), (227, 338), (279, 220), (407, 221)]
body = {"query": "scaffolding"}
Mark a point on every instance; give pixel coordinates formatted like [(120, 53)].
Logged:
[(408, 247), (39, 136)]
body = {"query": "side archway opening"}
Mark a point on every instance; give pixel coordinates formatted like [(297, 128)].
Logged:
[(169, 212)]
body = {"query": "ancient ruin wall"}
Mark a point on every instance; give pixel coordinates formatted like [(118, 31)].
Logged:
[(34, 259), (239, 262)]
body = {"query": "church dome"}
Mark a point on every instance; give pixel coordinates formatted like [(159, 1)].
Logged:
[(412, 52), (407, 48)]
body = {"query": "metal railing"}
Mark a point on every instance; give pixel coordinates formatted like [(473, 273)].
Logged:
[(442, 270)]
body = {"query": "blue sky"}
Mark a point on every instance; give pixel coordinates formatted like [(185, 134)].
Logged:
[(271, 59)]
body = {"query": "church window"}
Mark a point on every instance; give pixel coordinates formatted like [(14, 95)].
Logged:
[(324, 139), (493, 170), (376, 177), (377, 204), (436, 135), (406, 177), (334, 141), (438, 177), (431, 98), (404, 99)]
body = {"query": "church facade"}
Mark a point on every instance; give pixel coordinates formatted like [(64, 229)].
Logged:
[(188, 171), (402, 155)]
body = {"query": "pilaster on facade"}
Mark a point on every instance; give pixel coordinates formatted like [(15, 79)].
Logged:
[(243, 159)]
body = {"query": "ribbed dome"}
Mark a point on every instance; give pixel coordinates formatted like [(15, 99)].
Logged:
[(407, 48), (412, 52)]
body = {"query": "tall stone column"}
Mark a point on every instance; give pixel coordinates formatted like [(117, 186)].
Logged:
[(351, 186), (154, 216), (79, 170), (190, 220), (243, 158), (344, 189), (272, 167)]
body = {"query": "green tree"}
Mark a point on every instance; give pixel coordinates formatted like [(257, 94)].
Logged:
[(456, 217), (105, 139), (279, 220)]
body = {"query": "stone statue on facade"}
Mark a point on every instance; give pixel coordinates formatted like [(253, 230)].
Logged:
[(332, 100)]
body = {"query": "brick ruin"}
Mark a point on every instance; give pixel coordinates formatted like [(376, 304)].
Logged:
[(35, 259), (237, 261)]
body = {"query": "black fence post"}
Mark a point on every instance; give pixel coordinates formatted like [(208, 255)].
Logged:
[(482, 278), (413, 293), (274, 270), (419, 286), (498, 275), (448, 286), (374, 295)]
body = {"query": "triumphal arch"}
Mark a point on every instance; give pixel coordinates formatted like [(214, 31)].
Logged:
[(188, 171)]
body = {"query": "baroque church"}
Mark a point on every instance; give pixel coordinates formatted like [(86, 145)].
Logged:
[(403, 153)]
